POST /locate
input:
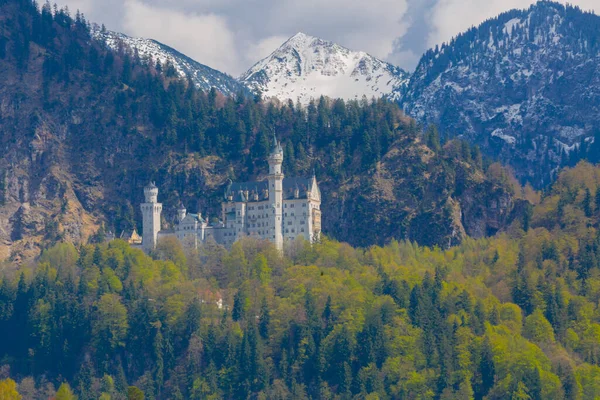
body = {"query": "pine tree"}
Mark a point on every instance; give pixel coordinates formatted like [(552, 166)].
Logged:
[(238, 306), (264, 319), (158, 347), (587, 203), (487, 369)]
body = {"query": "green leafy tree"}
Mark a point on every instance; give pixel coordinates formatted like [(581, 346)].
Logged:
[(110, 323), (134, 393), (8, 390), (64, 392)]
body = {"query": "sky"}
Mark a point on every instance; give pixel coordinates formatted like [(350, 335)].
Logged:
[(232, 35)]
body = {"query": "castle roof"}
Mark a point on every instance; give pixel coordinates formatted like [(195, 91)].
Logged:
[(277, 149), (237, 189), (193, 217)]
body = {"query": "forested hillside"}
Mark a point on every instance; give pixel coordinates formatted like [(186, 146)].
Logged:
[(86, 127), (513, 316)]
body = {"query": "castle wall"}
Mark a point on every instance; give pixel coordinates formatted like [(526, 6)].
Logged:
[(296, 216)]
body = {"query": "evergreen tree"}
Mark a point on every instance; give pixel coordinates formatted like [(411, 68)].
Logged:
[(587, 203), (487, 370), (264, 319), (238, 306)]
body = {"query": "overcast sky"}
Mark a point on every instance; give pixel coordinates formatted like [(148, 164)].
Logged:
[(231, 35)]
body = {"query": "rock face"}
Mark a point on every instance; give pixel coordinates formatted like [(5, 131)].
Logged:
[(416, 194), (203, 76), (525, 86), (306, 67)]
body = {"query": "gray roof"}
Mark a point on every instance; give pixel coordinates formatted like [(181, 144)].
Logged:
[(194, 216), (237, 189)]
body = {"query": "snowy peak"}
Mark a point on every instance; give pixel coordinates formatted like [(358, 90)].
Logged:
[(306, 67), (203, 76)]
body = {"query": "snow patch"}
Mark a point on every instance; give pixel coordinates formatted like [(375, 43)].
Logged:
[(499, 133)]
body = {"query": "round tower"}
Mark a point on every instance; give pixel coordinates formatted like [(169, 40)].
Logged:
[(276, 192), (181, 212), (151, 211), (276, 158)]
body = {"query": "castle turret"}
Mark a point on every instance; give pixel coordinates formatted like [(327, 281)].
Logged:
[(151, 211), (276, 192), (181, 212)]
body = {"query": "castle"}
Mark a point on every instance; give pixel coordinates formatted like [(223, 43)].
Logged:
[(278, 209)]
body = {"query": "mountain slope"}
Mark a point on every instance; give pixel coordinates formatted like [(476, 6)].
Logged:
[(86, 128), (306, 67), (203, 76), (525, 86)]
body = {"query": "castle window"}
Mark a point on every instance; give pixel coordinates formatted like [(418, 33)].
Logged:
[(293, 231), (304, 205), (301, 229), (289, 222), (291, 206), (285, 206)]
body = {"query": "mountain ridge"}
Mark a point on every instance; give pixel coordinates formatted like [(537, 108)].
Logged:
[(201, 75), (305, 67)]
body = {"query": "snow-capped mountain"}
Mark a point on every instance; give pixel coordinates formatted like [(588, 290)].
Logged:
[(525, 86), (204, 77), (306, 67)]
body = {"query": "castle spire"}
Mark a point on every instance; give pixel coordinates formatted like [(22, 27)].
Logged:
[(277, 149)]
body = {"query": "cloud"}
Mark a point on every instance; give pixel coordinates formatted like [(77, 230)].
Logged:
[(204, 37), (263, 48)]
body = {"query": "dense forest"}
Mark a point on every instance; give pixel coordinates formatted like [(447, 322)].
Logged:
[(513, 316)]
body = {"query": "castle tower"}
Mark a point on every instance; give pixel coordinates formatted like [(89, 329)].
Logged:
[(276, 192), (151, 210), (181, 213)]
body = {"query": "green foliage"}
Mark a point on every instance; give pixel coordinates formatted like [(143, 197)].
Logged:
[(134, 393), (8, 390), (64, 392), (399, 321)]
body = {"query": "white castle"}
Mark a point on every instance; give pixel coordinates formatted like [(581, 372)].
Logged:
[(278, 209)]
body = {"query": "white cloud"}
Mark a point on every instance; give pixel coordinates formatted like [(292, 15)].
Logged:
[(204, 37), (263, 48)]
